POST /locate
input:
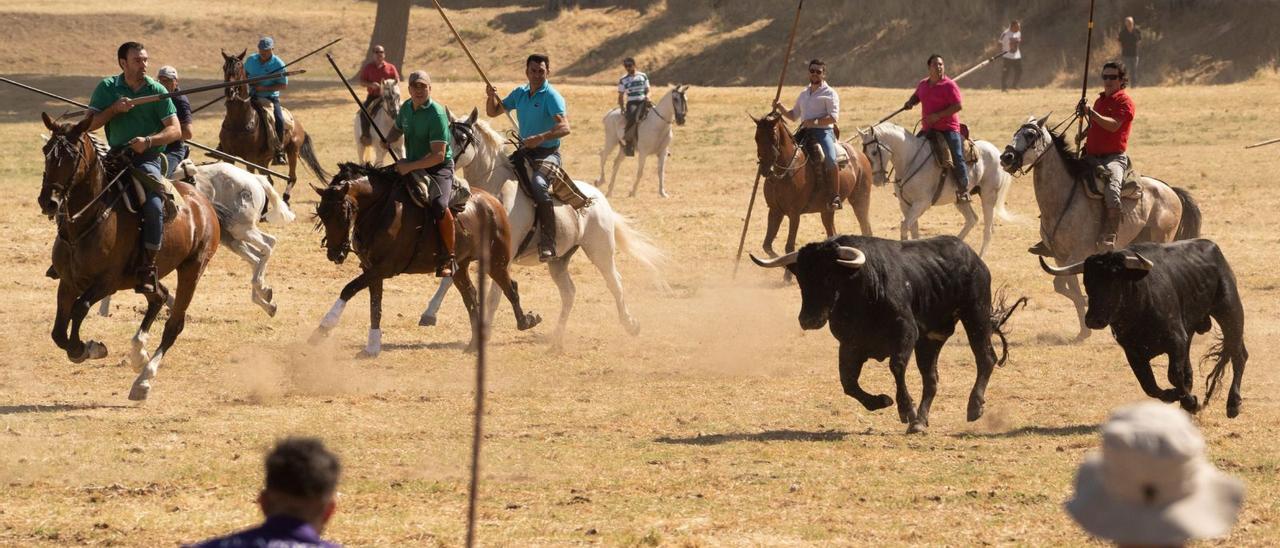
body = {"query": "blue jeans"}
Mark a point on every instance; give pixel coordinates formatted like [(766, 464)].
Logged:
[(153, 206), (955, 142), (541, 191), (825, 138), (175, 156)]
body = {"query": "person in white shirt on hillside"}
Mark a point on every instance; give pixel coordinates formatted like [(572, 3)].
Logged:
[(1011, 44)]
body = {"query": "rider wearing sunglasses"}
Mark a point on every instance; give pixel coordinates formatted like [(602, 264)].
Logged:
[(818, 108), (1107, 142)]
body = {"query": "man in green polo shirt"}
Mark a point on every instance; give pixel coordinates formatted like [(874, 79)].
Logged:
[(144, 130), (425, 127)]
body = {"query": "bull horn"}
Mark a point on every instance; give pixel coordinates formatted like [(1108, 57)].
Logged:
[(1070, 270), (1137, 262), (785, 260), (850, 257)]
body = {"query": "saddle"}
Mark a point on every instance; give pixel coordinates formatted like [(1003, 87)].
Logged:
[(139, 182), (268, 117), (457, 202), (563, 188), (1130, 188), (942, 153), (818, 157)]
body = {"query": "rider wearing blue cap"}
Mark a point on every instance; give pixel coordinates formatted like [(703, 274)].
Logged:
[(262, 64)]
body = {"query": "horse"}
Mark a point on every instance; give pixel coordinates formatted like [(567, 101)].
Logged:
[(653, 136), (95, 254), (244, 135), (789, 190), (1070, 222), (368, 209), (238, 198), (922, 188), (384, 118), (597, 229)]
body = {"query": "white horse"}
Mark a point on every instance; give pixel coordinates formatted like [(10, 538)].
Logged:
[(597, 229), (917, 174), (239, 198), (384, 118), (653, 136)]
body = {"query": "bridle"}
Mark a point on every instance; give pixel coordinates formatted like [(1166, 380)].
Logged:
[(390, 94), (347, 211), (59, 149), (463, 136), (775, 169), (880, 149), (1039, 142)]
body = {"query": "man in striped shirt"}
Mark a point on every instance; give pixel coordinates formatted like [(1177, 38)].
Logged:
[(633, 95)]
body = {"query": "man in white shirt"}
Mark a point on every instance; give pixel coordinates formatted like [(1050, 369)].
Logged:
[(633, 95), (1011, 43), (818, 108)]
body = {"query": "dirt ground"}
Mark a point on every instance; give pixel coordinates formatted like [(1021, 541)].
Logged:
[(722, 423)]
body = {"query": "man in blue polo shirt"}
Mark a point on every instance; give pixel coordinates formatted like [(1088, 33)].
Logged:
[(262, 64), (540, 111), (298, 501), (145, 130)]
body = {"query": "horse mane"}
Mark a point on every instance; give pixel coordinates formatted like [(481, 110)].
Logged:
[(1077, 168), (493, 139)]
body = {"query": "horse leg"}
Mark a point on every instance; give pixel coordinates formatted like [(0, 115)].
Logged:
[(462, 280), (265, 244), (1069, 287), (292, 156), (66, 298), (373, 346), (988, 218), (970, 218), (138, 356), (188, 277), (78, 351), (559, 270), (331, 318), (771, 230), (912, 218), (828, 221), (903, 226), (501, 277), (250, 255), (603, 257), (662, 175), (860, 199), (428, 317), (104, 307), (640, 158), (613, 177), (793, 230)]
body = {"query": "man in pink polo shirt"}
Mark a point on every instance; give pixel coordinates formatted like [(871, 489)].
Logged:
[(940, 100), (1108, 140)]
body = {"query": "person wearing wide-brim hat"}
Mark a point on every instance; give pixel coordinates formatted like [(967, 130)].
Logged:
[(1151, 484)]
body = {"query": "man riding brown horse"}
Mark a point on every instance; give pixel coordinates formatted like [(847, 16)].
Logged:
[(428, 161), (818, 108)]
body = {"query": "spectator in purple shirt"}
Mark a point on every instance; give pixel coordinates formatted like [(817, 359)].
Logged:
[(302, 481)]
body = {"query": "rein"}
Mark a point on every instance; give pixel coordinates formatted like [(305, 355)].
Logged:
[(779, 171), (63, 211)]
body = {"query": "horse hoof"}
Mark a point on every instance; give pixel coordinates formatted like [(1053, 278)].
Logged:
[(140, 391), (529, 321), (318, 335), (663, 195), (366, 355), (426, 321), (271, 310), (1081, 336), (1233, 410), (917, 427), (268, 294), (286, 198), (975, 410), (633, 327)]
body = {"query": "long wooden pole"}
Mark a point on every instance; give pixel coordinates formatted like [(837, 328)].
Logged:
[(482, 353), (286, 65), (755, 187), (474, 63), (971, 70), (1264, 143), (198, 89), (1084, 87), (364, 112)]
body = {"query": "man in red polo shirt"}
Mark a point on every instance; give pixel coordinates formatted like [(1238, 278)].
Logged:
[(1108, 139), (940, 97), (372, 75)]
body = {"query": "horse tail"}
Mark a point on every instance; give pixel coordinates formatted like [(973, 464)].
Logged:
[(640, 247), (1189, 225), (1002, 194), (308, 154), (278, 212)]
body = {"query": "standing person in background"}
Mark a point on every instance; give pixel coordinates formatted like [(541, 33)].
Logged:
[(1130, 35), (1011, 43), (176, 151)]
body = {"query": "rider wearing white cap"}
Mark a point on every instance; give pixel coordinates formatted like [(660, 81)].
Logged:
[(176, 151)]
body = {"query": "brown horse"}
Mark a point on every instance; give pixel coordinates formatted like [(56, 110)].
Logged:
[(792, 184), (97, 247), (369, 209), (243, 134)]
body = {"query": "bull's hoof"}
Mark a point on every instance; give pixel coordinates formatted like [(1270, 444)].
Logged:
[(1169, 395), (286, 199), (426, 320), (917, 427), (1190, 404), (1233, 409), (528, 321), (882, 401), (140, 391), (318, 335), (975, 410), (904, 415)]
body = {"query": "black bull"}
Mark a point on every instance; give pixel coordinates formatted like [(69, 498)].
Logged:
[(1155, 298), (886, 299)]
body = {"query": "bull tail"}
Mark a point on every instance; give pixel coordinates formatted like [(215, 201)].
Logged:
[(1189, 225), (1000, 314), (308, 154), (640, 247), (1214, 378)]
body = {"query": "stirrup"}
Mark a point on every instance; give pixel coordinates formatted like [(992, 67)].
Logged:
[(147, 282), (448, 268), (1041, 249), (962, 196), (835, 203), (546, 254)]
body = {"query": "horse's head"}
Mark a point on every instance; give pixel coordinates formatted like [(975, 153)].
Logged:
[(771, 138), (65, 155), (391, 97), (232, 70), (679, 103), (877, 154), (1031, 135), (463, 138), (336, 213)]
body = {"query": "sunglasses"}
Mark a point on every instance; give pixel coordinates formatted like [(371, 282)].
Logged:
[(816, 71), (378, 51), (1110, 76)]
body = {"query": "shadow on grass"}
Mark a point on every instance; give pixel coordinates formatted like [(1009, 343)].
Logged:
[(56, 408), (1073, 430), (768, 435)]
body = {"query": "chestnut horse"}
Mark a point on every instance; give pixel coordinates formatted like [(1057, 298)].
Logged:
[(369, 209), (789, 185), (97, 247), (243, 134)]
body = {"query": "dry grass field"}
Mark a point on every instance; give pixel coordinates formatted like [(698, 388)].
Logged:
[(722, 423)]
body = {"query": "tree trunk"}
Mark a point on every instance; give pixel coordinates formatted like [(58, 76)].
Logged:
[(391, 29)]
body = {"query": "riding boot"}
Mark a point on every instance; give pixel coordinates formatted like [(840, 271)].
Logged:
[(546, 232), (146, 273), (1110, 227), (832, 176), (446, 263), (1041, 248), (962, 194)]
